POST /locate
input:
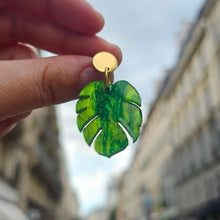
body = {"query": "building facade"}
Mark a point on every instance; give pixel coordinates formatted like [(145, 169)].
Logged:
[(97, 214), (194, 96), (141, 185), (175, 172), (112, 198), (32, 162)]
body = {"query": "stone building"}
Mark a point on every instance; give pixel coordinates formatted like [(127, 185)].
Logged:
[(194, 96), (141, 185), (176, 170), (112, 197), (9, 209), (97, 214), (124, 211), (32, 162)]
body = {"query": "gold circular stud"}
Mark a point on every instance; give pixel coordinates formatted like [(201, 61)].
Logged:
[(103, 60)]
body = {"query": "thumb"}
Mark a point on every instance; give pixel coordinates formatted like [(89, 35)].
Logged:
[(29, 84)]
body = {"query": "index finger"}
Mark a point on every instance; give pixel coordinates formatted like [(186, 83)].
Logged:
[(54, 38), (77, 15)]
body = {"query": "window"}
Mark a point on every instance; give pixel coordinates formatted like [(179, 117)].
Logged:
[(218, 181), (197, 109), (215, 137), (191, 119), (208, 190), (187, 118), (185, 162), (214, 28), (179, 95), (192, 75), (208, 96), (218, 142), (187, 82), (203, 59), (196, 153), (197, 67), (202, 148), (192, 157), (219, 71)]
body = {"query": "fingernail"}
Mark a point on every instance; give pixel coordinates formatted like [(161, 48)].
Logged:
[(12, 127)]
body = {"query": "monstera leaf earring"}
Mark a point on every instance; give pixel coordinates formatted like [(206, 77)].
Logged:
[(106, 110)]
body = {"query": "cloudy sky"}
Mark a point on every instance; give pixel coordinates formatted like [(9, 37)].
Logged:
[(146, 31)]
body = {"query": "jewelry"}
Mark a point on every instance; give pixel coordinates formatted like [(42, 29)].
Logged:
[(106, 111)]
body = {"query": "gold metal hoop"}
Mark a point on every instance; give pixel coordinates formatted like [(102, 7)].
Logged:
[(107, 77)]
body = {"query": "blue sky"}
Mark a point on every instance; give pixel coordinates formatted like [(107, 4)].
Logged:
[(146, 31)]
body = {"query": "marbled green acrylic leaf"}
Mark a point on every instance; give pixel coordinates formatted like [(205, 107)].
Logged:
[(104, 113)]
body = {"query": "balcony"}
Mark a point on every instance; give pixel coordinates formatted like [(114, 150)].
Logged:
[(46, 172)]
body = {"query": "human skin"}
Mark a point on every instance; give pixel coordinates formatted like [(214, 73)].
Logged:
[(64, 27)]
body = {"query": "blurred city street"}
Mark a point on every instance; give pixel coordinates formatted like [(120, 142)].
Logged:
[(172, 56)]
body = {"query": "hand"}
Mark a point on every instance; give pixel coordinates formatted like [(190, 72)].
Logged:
[(60, 26)]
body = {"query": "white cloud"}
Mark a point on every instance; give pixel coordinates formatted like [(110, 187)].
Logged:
[(91, 188), (122, 160), (71, 149)]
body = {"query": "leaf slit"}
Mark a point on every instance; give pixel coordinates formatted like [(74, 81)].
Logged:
[(85, 124), (132, 103), (81, 110), (84, 97), (90, 121), (125, 131), (97, 134)]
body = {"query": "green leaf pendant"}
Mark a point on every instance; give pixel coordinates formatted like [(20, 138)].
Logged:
[(105, 111)]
